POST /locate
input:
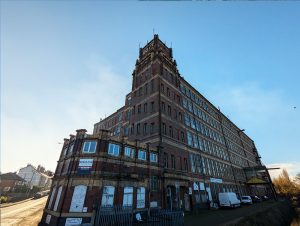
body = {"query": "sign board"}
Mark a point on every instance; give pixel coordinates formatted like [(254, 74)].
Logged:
[(85, 166), (153, 204), (73, 221), (216, 180), (48, 219)]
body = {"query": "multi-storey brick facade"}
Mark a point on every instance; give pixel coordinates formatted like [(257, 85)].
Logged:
[(167, 147)]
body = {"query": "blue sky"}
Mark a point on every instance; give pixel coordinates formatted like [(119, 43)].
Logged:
[(65, 64)]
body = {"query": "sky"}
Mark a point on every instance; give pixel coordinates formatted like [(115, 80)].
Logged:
[(66, 64)]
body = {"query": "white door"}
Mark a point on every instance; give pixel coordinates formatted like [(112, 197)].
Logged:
[(78, 198)]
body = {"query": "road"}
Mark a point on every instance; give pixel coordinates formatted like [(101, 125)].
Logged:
[(27, 213), (225, 216)]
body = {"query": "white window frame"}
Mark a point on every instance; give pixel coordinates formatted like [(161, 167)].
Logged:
[(153, 157), (142, 153), (88, 144), (128, 197), (113, 149), (108, 195)]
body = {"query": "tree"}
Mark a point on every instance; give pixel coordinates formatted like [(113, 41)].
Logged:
[(284, 185), (297, 179)]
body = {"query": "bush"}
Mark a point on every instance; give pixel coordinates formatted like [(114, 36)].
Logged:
[(3, 199)]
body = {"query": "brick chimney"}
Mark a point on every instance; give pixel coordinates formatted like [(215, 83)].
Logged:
[(80, 133)]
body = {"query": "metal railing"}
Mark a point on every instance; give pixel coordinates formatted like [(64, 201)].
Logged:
[(125, 216)]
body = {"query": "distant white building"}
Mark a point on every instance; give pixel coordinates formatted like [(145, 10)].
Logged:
[(33, 177)]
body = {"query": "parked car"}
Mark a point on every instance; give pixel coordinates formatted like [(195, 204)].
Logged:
[(255, 198), (229, 199), (264, 198), (41, 194), (246, 200)]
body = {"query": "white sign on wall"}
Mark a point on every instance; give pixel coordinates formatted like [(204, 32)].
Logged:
[(216, 180), (86, 162), (73, 221), (48, 219)]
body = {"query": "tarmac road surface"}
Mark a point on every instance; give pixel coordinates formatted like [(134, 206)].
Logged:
[(26, 213)]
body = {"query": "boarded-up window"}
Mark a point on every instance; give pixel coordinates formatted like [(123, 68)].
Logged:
[(108, 196), (57, 198), (51, 197), (140, 199), (78, 198)]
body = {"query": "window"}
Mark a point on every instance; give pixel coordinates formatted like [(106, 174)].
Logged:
[(132, 128), (146, 88), (145, 129), (128, 196), (164, 128), (129, 152), (51, 197), (185, 164), (173, 161), (57, 199), (138, 128), (154, 183), (140, 199), (145, 107), (162, 88), (108, 196), (189, 139), (166, 160), (89, 147), (152, 128), (78, 198), (163, 106), (152, 106), (170, 131), (66, 166), (71, 149), (142, 155), (152, 85), (182, 136), (168, 91), (113, 149), (169, 110), (139, 109), (153, 157)]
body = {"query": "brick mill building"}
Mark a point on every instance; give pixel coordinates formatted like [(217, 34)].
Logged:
[(167, 147)]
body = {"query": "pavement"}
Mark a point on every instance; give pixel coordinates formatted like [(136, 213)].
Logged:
[(26, 213), (224, 217)]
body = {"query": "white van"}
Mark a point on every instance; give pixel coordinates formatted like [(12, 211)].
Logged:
[(229, 199)]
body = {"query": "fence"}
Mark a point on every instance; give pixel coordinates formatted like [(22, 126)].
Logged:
[(124, 216)]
